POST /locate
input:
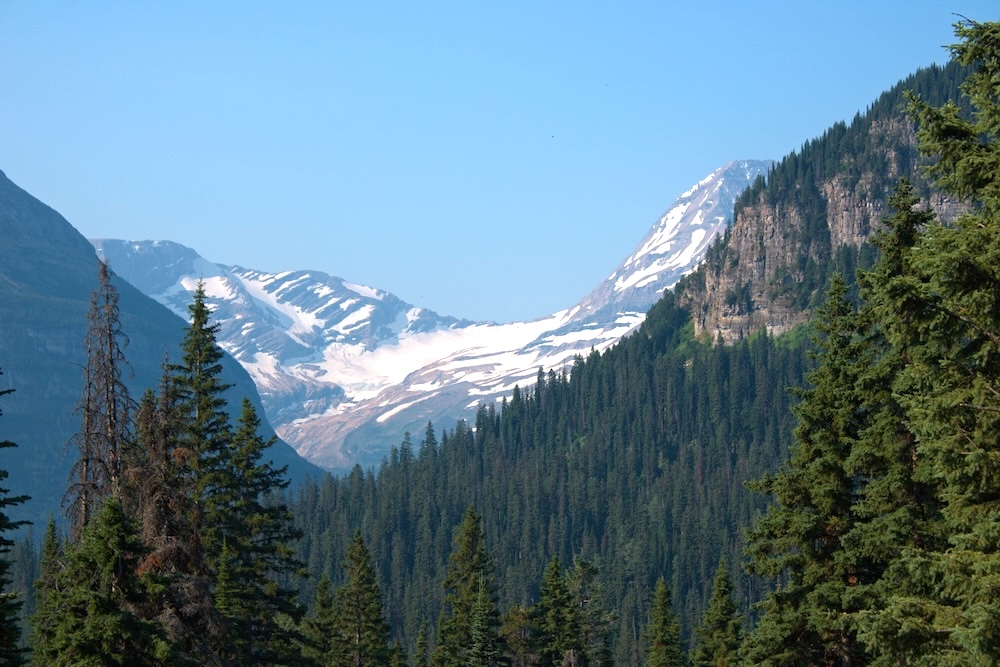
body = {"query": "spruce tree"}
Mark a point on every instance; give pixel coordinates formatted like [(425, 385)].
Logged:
[(320, 627), (469, 566), (557, 620), (798, 542), (362, 636), (48, 600), (484, 651), (258, 537), (99, 615), (663, 631), (11, 652), (945, 609), (717, 639)]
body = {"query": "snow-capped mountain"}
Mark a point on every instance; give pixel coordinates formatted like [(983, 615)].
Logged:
[(343, 369)]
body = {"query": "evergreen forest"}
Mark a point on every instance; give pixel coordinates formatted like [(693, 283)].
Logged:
[(830, 496)]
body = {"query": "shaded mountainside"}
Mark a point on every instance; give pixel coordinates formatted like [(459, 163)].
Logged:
[(47, 273), (813, 214)]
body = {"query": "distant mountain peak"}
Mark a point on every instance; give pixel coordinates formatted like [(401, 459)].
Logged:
[(344, 369)]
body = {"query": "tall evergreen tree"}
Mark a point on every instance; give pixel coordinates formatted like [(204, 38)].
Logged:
[(206, 431), (798, 542), (99, 616), (11, 652), (484, 651), (945, 608), (558, 622), (362, 634), (717, 639), (663, 631), (44, 648), (470, 566), (259, 552), (320, 627)]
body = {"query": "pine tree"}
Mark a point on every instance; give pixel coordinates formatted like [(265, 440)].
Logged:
[(798, 542), (484, 650), (470, 564), (258, 552), (11, 653), (945, 609), (717, 639), (558, 621), (48, 599), (206, 431), (663, 631), (320, 627), (98, 620), (362, 634)]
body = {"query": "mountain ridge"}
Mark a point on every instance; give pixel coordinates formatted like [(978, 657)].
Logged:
[(344, 369)]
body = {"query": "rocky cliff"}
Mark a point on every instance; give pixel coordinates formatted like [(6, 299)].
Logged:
[(812, 215)]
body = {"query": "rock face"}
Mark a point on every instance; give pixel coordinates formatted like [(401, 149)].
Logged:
[(344, 370), (814, 215)]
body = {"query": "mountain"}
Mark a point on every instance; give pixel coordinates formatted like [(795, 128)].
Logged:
[(814, 213), (343, 369), (47, 272)]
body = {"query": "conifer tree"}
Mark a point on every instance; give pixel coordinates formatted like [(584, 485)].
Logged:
[(798, 542), (320, 627), (945, 608), (362, 637), (258, 553), (663, 631), (421, 658), (98, 620), (484, 651), (470, 565), (206, 431), (48, 599), (717, 639), (11, 653), (558, 622)]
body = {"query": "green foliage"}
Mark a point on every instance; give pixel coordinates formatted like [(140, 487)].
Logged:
[(362, 635), (663, 631), (320, 627), (11, 652), (468, 583), (94, 608), (717, 638)]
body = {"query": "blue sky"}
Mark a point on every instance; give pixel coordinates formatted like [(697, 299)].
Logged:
[(488, 160)]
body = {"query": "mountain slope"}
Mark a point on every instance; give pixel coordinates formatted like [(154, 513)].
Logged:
[(344, 369), (47, 272)]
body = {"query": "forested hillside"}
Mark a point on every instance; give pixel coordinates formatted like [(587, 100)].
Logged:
[(637, 459), (610, 513)]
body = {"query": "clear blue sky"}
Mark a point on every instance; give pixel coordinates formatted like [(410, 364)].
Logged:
[(489, 160)]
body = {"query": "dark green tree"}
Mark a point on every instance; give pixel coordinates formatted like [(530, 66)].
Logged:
[(362, 637), (470, 566), (484, 651), (98, 618), (663, 631), (717, 638), (47, 600), (944, 607), (258, 555), (557, 620), (11, 652), (798, 542), (320, 627)]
